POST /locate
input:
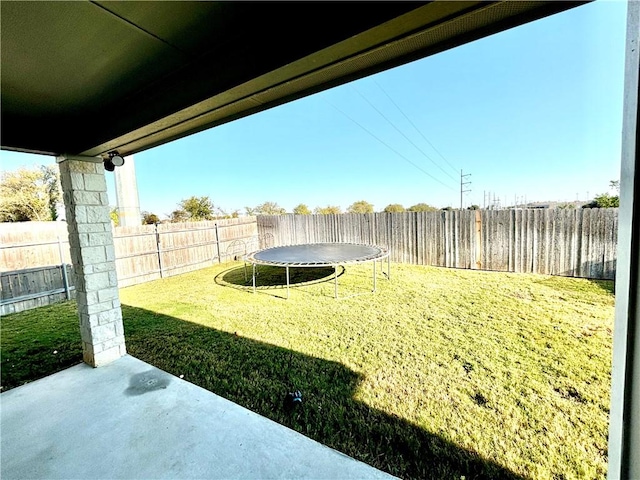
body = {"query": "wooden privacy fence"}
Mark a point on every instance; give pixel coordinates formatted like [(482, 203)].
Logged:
[(35, 287), (569, 242), (34, 256), (150, 252), (34, 265)]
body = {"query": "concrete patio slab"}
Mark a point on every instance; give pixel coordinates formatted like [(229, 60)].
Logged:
[(130, 420)]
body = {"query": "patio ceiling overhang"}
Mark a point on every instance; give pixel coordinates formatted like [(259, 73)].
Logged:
[(90, 77)]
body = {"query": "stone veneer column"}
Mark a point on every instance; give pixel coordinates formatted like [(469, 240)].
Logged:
[(87, 207)]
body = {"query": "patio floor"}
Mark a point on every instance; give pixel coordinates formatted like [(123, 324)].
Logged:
[(131, 420)]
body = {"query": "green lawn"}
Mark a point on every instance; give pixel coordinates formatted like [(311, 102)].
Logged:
[(442, 373)]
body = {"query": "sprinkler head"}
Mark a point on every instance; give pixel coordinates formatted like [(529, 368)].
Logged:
[(292, 399)]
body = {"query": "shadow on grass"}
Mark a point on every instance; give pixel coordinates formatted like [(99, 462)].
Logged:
[(38, 343), (258, 376), (608, 286), (601, 274), (274, 278)]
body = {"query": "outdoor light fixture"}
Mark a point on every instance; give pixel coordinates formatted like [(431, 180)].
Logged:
[(113, 161)]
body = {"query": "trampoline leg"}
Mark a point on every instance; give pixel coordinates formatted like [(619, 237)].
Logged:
[(335, 288), (254, 278), (374, 276), (287, 283), (389, 267)]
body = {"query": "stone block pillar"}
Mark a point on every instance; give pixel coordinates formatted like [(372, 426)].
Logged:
[(90, 238)]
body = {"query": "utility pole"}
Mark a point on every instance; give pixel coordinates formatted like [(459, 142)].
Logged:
[(462, 185)]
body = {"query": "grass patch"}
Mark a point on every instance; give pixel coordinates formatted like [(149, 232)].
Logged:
[(38, 342), (443, 373)]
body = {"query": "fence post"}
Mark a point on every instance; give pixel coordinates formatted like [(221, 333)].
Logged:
[(478, 242), (63, 265), (217, 242), (158, 250), (389, 232)]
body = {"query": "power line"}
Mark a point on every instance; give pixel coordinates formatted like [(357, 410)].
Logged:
[(389, 147), (414, 126), (401, 133)]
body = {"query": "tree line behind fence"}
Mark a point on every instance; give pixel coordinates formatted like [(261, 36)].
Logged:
[(578, 242), (35, 262)]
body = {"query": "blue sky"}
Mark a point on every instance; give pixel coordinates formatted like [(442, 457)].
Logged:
[(534, 112)]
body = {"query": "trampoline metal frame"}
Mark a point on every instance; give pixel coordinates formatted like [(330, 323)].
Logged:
[(385, 253)]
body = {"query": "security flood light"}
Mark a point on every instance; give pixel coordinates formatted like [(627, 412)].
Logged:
[(113, 161)]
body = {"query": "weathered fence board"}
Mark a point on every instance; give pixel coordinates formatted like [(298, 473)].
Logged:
[(34, 287), (579, 242), (32, 252)]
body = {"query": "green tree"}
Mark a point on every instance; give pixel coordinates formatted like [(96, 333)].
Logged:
[(607, 201), (421, 207), (328, 210), (394, 208), (268, 208), (302, 209), (604, 200), (615, 185), (474, 207), (360, 206), (198, 208), (566, 206), (179, 216), (149, 218), (29, 194), (51, 179)]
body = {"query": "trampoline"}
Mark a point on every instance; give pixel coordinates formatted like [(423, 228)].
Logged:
[(320, 255)]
